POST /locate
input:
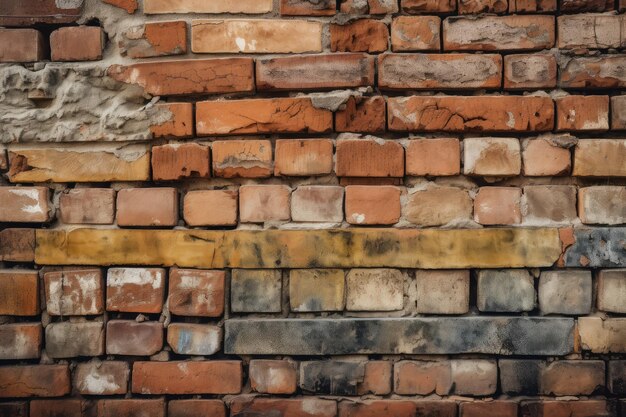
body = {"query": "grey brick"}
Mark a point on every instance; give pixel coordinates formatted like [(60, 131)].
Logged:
[(509, 290), (256, 291), (565, 292)]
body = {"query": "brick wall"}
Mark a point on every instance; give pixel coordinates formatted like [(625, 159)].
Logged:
[(312, 208)]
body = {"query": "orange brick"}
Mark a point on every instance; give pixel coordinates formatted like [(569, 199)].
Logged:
[(242, 158), (482, 6), (377, 378), (363, 115), (491, 157), (34, 381), (367, 205), (194, 408), (24, 204), (264, 203), (155, 39), (129, 5), (368, 6), (177, 161), (196, 292), (81, 43), (147, 207), (180, 124), (303, 157), (87, 206), (416, 377), (488, 409), (210, 208), (578, 113), (542, 158), (436, 157), (21, 45), (363, 35), (602, 71), (369, 158), (416, 33), (135, 290), (19, 292), (74, 292), (531, 6), (428, 6), (273, 376), (529, 71), (498, 205), (308, 8)]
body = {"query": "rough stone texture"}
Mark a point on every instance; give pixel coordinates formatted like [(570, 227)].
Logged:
[(19, 292), (128, 337), (602, 336), (363, 35), (255, 291), (147, 207), (491, 157), (374, 290), (82, 43), (135, 290), (194, 339), (303, 157), (507, 290), (74, 292), (317, 203), (34, 381), (195, 292), (264, 203), (155, 39), (442, 292), (222, 206), (605, 71), (602, 205), (67, 340), (178, 161), (544, 157), (600, 158), (372, 205), (87, 206), (101, 378), (530, 71), (435, 156), (565, 292), (416, 33), (582, 113), (439, 206), (20, 341), (612, 290), (201, 6), (273, 376)]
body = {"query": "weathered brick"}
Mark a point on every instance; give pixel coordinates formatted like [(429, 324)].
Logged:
[(53, 408), (365, 115), (483, 6), (135, 290), (242, 158), (317, 203), (501, 33), (586, 408), (599, 247), (316, 290), (488, 408), (195, 76), (147, 207), (19, 292), (29, 12), (21, 45), (256, 291), (17, 245), (193, 408), (308, 7), (470, 114), (314, 72), (438, 206), (492, 157), (24, 204), (287, 407), (34, 381), (369, 158), (529, 71), (369, 204), (14, 409), (363, 35), (532, 6), (602, 335), (600, 158), (255, 36), (573, 6), (565, 292), (416, 33), (331, 377), (180, 124), (264, 203), (602, 204), (101, 378), (129, 337), (521, 376), (549, 204), (498, 206), (177, 161), (273, 376), (604, 71), (74, 292), (612, 290), (155, 39), (194, 292), (582, 113), (544, 157), (616, 377), (68, 339), (374, 290), (87, 206), (77, 43), (129, 5), (588, 31), (194, 339), (433, 157), (377, 378), (272, 115), (428, 6), (618, 112), (368, 6), (439, 71), (442, 292), (223, 204), (20, 341), (200, 6), (195, 377), (131, 407), (510, 290), (397, 408), (303, 157), (474, 377)]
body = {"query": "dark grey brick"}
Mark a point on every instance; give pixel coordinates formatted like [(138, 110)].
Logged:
[(508, 290), (617, 377), (600, 247), (331, 377)]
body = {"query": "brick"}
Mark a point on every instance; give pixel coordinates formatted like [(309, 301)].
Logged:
[(132, 338), (315, 72), (603, 71), (180, 124), (369, 6), (483, 6), (416, 33), (255, 36), (544, 157), (308, 7), (433, 157), (29, 12), (369, 205), (365, 115), (602, 335), (428, 6), (200, 6), (498, 206), (317, 203), (565, 292), (303, 157), (439, 206), (273, 376), (55, 408), (569, 6), (500, 33), (87, 206), (470, 114), (77, 43), (272, 115), (196, 76), (194, 292), (135, 290), (488, 408), (492, 157), (19, 292), (549, 204), (131, 408), (602, 205), (14, 409), (363, 35), (24, 204), (255, 291), (316, 290), (439, 71), (616, 377), (147, 207), (74, 292), (586, 408), (194, 339), (331, 377), (192, 408), (532, 6), (155, 39), (101, 378), (69, 340), (177, 161), (397, 408), (264, 203), (21, 45), (618, 112), (612, 290), (369, 158), (587, 31), (599, 247), (377, 378), (374, 290), (283, 407), (600, 158), (129, 5), (34, 381), (179, 378), (17, 245), (582, 113), (442, 292), (223, 204), (474, 377), (530, 71), (572, 377), (242, 158), (20, 341)]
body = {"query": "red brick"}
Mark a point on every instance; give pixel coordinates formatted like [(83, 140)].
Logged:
[(194, 339), (488, 409), (129, 5), (428, 6), (20, 341), (572, 377), (272, 115), (317, 203), (196, 76), (131, 408), (196, 408), (263, 203), (273, 376), (194, 377), (56, 408), (435, 157), (178, 161), (74, 292), (416, 33), (377, 379), (87, 206), (590, 31), (21, 45), (34, 381), (363, 115), (367, 205), (498, 205), (222, 206), (531, 6), (369, 158), (14, 409), (135, 290), (483, 6), (303, 157), (155, 39), (17, 245), (544, 158), (283, 407), (582, 113), (308, 7), (603, 71), (101, 378), (583, 408), (397, 408), (529, 71), (77, 43), (24, 204), (29, 12), (147, 207), (196, 292), (315, 72), (181, 123), (19, 292), (470, 114), (492, 157), (368, 6), (242, 158), (128, 337), (363, 35)]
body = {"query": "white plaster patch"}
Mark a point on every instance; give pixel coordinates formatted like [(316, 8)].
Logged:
[(134, 276), (99, 384), (32, 194)]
